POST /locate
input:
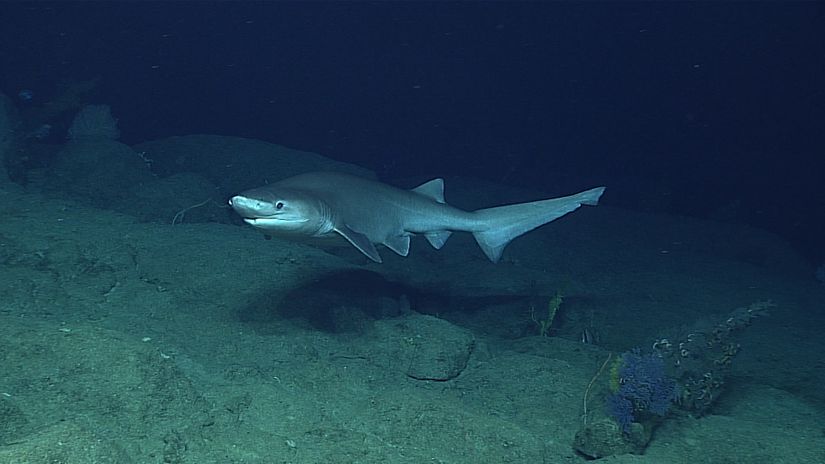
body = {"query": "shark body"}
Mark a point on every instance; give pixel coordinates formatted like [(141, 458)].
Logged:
[(367, 212)]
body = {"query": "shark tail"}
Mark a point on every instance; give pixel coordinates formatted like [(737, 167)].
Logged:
[(502, 224)]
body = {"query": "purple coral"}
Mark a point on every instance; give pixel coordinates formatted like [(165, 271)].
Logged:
[(621, 410), (644, 387)]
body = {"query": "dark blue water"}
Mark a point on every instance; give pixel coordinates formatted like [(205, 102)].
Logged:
[(706, 109)]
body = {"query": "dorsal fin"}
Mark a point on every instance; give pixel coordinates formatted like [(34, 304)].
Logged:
[(432, 189)]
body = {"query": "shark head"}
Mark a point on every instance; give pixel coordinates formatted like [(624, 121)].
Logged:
[(282, 211)]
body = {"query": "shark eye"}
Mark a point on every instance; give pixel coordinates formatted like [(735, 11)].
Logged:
[(279, 205)]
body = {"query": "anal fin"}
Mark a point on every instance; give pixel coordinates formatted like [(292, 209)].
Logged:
[(438, 238)]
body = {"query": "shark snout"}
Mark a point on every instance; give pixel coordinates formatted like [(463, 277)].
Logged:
[(249, 207)]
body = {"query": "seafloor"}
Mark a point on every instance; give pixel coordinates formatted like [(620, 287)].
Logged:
[(125, 338)]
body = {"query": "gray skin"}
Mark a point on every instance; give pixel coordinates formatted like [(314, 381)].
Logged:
[(367, 212)]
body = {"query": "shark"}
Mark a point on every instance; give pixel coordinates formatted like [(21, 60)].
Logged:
[(367, 213)]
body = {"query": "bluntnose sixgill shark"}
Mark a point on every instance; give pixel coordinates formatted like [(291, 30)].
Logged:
[(366, 212)]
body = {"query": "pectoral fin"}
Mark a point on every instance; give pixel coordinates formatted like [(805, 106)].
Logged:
[(360, 241)]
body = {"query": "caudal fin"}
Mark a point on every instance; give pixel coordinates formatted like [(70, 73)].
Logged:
[(504, 223)]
